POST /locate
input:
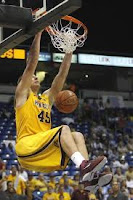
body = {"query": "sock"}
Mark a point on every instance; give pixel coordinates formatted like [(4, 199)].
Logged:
[(77, 158)]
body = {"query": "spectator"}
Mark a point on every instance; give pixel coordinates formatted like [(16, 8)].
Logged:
[(115, 164), (92, 197), (94, 105), (41, 183), (123, 164), (96, 145), (76, 179), (52, 182), (107, 169), (94, 110), (57, 185), (129, 172), (11, 194), (118, 176), (5, 113), (121, 121), (61, 181), (2, 166), (18, 183), (50, 194), (31, 182), (86, 111), (108, 193), (10, 189), (67, 187), (3, 195), (22, 173), (61, 191), (3, 180), (122, 149), (130, 144), (101, 106), (10, 149), (99, 194), (61, 197), (131, 194), (2, 174), (108, 104), (37, 194), (129, 182), (103, 192), (116, 194), (124, 188), (9, 140), (80, 193)]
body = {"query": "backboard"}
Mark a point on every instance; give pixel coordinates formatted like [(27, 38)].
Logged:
[(40, 21)]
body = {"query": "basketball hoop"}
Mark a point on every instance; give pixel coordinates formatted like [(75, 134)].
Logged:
[(67, 34)]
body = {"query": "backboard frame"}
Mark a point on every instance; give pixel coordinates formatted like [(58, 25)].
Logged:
[(59, 11)]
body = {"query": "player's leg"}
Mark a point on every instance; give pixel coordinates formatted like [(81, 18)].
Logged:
[(100, 179), (80, 143), (69, 146), (87, 168)]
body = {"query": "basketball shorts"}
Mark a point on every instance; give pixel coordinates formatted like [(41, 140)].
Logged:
[(42, 152)]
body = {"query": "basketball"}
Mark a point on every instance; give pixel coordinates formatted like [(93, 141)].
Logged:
[(66, 101)]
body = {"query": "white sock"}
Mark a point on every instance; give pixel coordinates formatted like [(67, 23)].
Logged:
[(77, 158)]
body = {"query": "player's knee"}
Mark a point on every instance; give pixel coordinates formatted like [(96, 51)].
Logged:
[(65, 129), (78, 135)]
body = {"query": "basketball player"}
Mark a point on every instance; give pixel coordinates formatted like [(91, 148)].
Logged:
[(39, 147)]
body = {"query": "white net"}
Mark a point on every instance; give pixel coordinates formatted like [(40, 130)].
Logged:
[(68, 37)]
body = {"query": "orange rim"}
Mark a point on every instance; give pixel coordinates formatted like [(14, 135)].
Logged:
[(72, 19), (67, 18), (76, 21)]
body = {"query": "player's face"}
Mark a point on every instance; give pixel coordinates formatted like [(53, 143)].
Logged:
[(35, 83)]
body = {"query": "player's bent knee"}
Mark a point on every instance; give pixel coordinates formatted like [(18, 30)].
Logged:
[(65, 129), (78, 135)]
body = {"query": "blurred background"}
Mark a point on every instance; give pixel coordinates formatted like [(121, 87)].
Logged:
[(101, 75)]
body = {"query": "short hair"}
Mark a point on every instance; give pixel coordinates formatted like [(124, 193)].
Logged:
[(8, 182), (115, 183)]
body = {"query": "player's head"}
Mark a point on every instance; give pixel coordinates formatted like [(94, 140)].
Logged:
[(35, 84)]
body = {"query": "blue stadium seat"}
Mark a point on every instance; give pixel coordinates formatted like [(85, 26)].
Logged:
[(5, 157), (56, 173), (130, 163), (12, 162), (72, 173)]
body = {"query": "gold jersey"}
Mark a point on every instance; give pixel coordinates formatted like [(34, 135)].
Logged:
[(34, 116)]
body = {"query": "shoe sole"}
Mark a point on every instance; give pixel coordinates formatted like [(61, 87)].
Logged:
[(90, 175), (103, 181)]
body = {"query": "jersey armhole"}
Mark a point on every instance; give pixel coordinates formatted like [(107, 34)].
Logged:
[(17, 108)]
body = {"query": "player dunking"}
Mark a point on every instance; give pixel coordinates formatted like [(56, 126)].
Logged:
[(39, 147)]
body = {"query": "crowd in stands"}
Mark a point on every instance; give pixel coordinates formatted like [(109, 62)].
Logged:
[(108, 131)]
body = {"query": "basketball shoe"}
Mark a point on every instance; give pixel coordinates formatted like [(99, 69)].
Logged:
[(99, 180), (89, 167)]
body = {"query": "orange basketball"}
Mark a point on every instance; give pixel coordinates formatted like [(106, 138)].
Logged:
[(66, 101)]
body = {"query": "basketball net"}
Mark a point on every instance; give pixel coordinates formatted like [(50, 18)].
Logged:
[(67, 37)]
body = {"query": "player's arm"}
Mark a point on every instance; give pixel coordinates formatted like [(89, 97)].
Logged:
[(60, 78), (26, 79)]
